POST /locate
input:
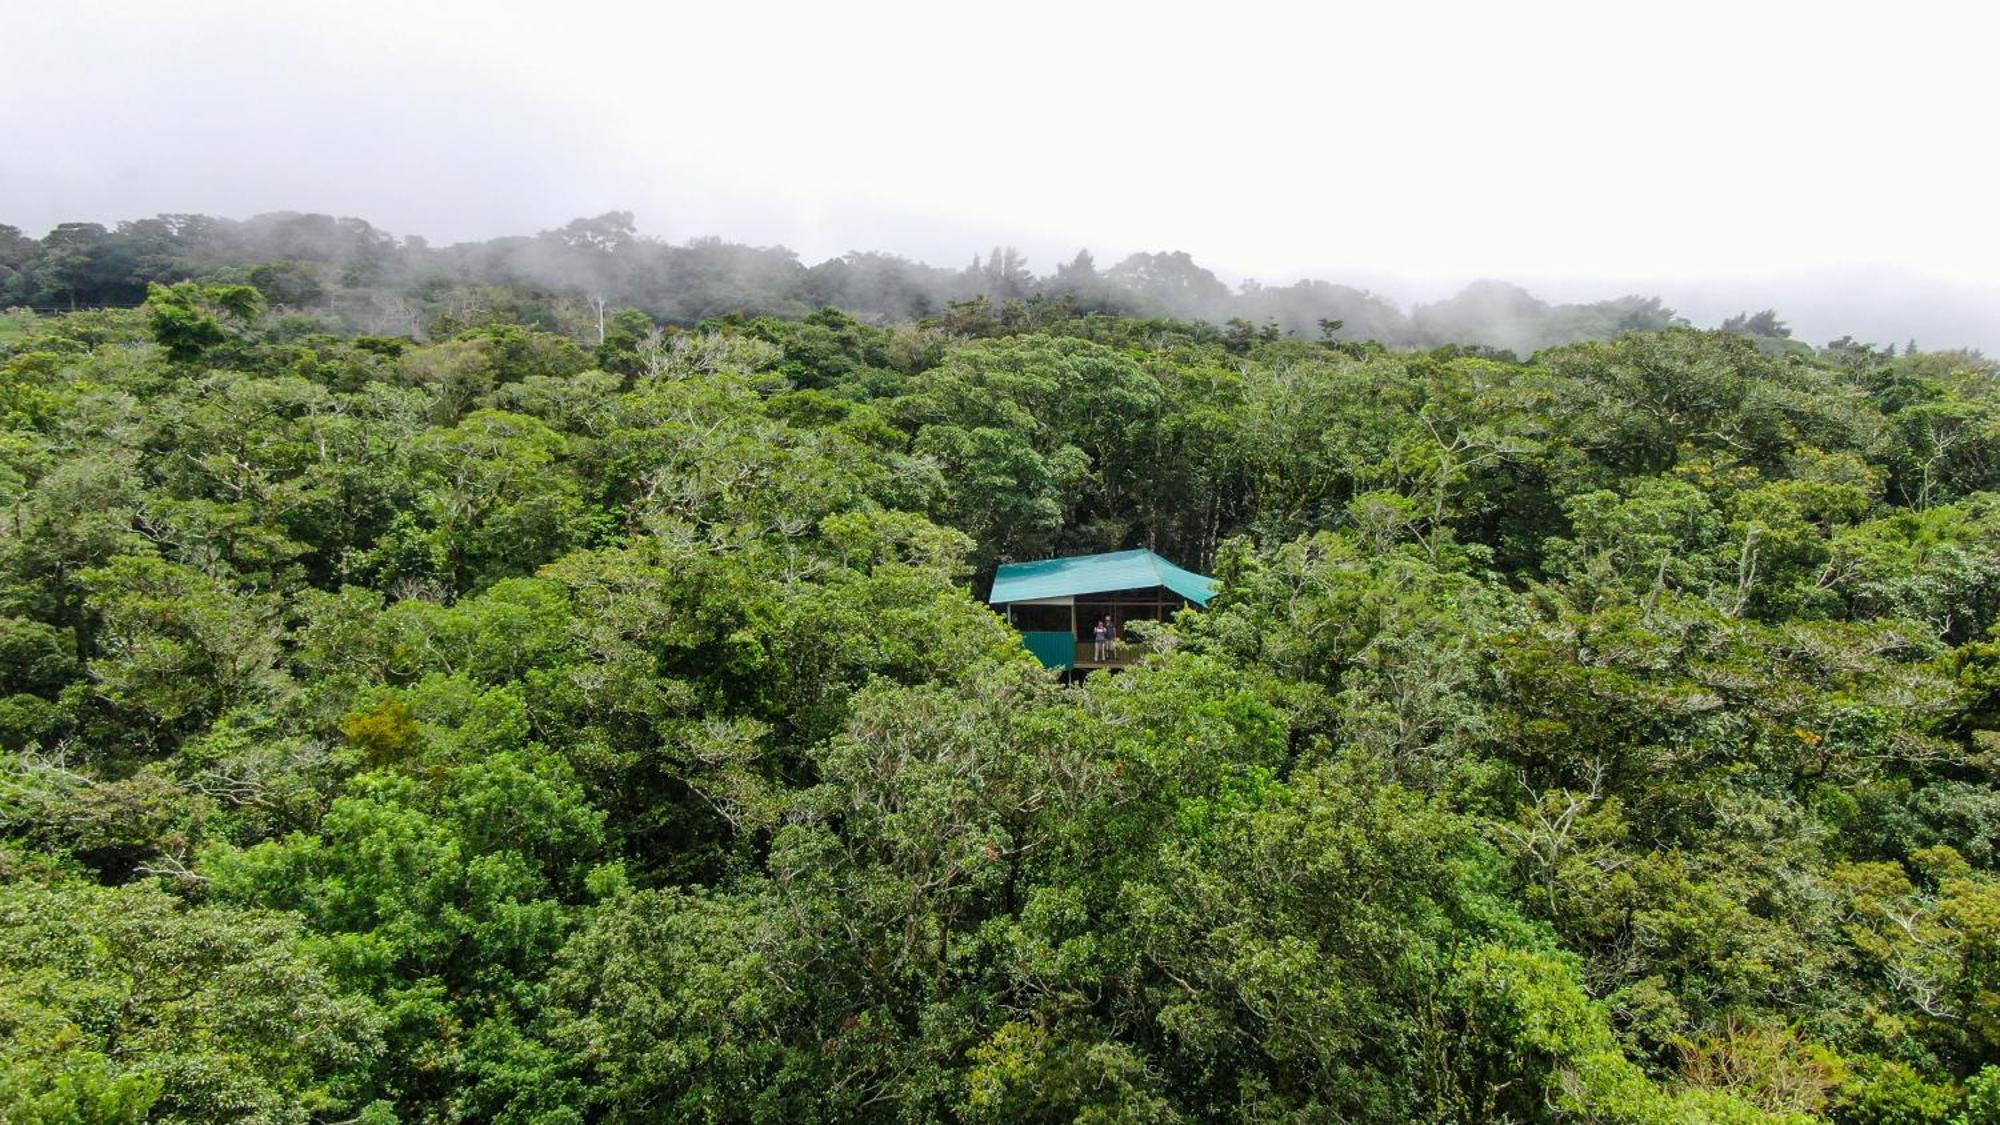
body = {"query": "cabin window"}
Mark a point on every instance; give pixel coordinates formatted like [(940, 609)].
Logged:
[(1041, 618), (1125, 606)]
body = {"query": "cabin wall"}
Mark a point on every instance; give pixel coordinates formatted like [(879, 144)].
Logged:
[(1054, 650)]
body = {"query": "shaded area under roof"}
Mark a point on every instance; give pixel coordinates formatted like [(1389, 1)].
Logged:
[(1096, 574)]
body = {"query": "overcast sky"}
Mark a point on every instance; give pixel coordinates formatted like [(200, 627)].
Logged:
[(1837, 162)]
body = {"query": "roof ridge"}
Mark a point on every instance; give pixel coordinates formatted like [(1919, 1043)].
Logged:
[(1067, 574)]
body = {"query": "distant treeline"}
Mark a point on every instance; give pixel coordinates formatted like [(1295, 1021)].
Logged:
[(368, 280)]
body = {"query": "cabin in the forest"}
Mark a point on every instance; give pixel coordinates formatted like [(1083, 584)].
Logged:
[(1056, 603)]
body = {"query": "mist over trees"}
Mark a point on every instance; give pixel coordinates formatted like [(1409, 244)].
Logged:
[(369, 281)]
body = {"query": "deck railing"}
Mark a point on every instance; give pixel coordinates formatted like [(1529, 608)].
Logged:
[(1064, 650), (1121, 654)]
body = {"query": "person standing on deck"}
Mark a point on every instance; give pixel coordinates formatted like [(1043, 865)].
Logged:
[(1103, 635)]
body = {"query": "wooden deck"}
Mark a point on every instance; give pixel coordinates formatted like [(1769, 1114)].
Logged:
[(1124, 655)]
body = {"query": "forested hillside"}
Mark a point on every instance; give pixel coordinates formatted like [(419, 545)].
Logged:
[(347, 275), (463, 715)]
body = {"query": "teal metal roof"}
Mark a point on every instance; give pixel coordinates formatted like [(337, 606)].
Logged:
[(1096, 574)]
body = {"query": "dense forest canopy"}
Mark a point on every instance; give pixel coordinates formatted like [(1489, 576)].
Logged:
[(545, 681), (357, 278)]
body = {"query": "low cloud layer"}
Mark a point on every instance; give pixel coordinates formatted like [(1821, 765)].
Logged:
[(1718, 156)]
